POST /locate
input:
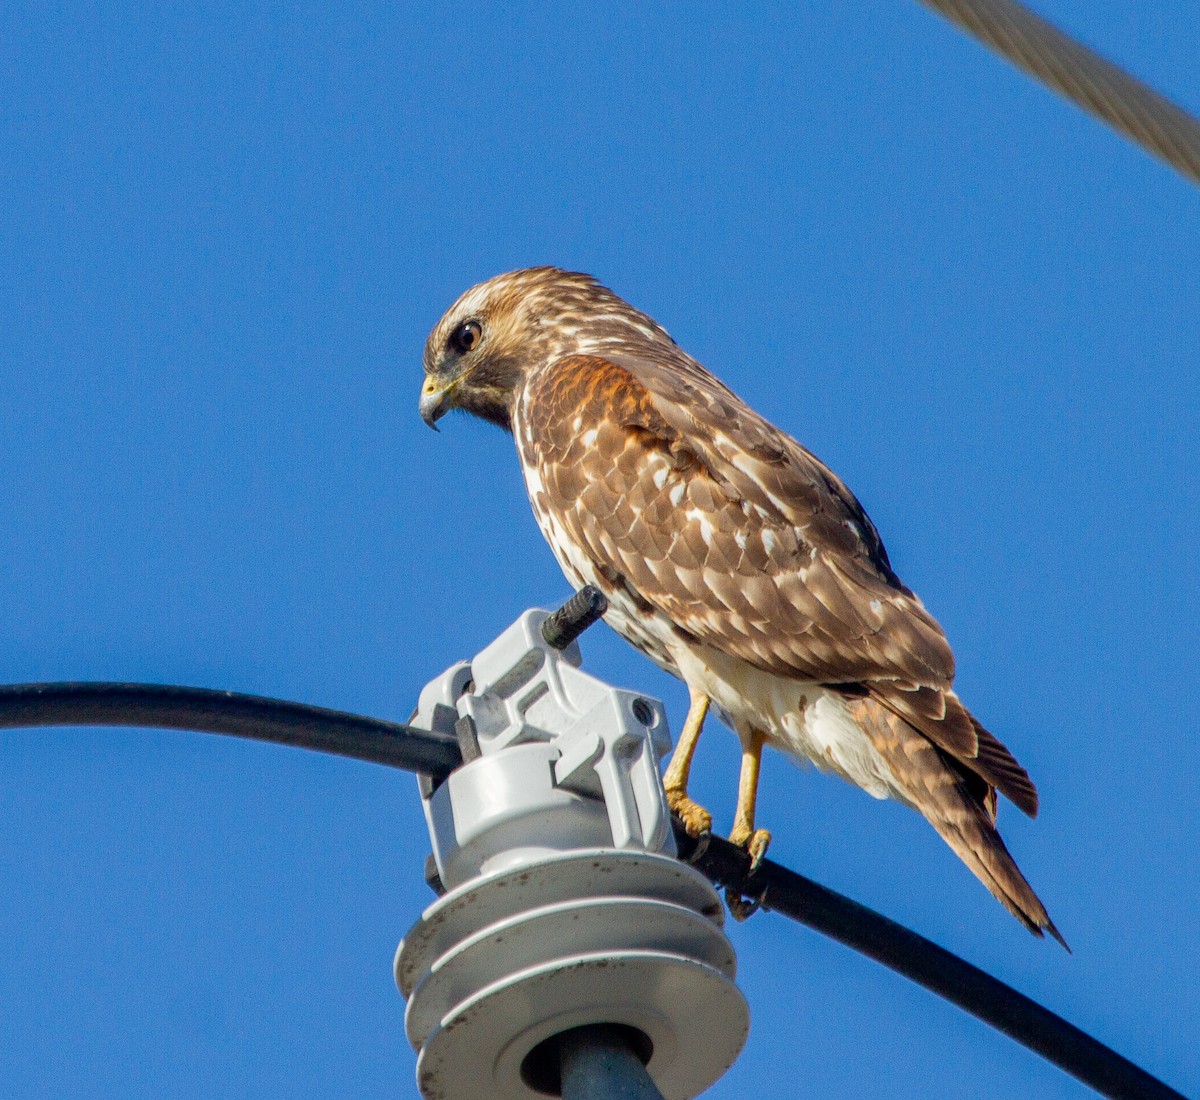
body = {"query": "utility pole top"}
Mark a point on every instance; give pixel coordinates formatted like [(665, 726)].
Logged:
[(567, 911)]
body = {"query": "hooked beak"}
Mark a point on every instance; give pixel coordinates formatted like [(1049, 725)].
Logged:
[(435, 401)]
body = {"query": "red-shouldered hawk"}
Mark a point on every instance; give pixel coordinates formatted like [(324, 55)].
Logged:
[(731, 556)]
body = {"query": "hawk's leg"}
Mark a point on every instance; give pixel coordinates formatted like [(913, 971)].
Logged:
[(744, 834), (696, 819)]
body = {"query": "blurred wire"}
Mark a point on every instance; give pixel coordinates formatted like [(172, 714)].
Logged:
[(1084, 77), (775, 887)]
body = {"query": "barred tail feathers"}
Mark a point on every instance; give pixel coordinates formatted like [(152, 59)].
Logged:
[(958, 803)]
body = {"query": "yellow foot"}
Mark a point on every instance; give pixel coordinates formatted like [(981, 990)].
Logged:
[(756, 844), (696, 819)]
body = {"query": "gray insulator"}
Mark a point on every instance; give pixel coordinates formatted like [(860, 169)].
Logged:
[(566, 907)]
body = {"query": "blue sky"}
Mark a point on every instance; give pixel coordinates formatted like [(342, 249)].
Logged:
[(225, 234)]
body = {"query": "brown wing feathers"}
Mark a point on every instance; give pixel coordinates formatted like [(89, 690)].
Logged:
[(683, 520), (784, 601), (702, 510)]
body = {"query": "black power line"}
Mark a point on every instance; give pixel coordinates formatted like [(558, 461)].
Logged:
[(166, 706), (775, 887), (924, 962)]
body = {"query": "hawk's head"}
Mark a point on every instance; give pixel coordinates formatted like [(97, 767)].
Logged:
[(480, 353)]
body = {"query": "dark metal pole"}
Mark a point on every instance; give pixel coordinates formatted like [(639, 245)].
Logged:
[(600, 1062)]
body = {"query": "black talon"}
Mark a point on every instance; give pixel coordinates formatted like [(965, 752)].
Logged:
[(741, 906)]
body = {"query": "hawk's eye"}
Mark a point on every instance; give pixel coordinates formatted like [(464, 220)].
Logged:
[(466, 336)]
